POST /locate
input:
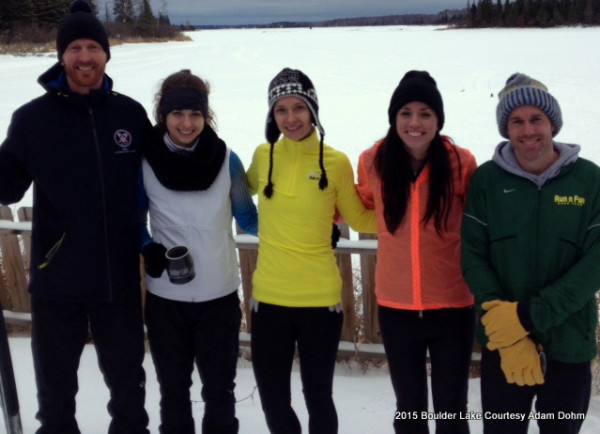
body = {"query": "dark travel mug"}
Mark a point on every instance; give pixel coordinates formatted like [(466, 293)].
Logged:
[(180, 266)]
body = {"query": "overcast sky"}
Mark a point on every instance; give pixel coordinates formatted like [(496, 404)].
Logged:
[(212, 12)]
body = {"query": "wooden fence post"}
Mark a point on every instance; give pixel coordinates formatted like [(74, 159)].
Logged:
[(344, 262), (25, 214), (248, 258), (367, 273), (15, 274)]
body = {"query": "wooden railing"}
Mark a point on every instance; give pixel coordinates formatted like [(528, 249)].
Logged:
[(360, 332), (15, 242)]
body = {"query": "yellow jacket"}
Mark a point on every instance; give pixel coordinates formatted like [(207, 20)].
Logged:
[(296, 264)]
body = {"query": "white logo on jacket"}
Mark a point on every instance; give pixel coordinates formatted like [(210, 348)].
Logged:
[(313, 176), (123, 140)]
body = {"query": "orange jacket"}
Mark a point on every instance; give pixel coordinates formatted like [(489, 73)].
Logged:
[(416, 268)]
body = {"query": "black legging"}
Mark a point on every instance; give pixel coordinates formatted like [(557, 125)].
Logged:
[(275, 332), (447, 334)]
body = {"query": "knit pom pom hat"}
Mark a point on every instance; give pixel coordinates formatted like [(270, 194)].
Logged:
[(417, 86), (520, 90), (292, 82), (81, 23)]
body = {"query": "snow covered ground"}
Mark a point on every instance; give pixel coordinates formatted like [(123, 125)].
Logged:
[(355, 71), (364, 398)]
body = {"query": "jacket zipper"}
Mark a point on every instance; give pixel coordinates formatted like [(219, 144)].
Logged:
[(415, 247), (52, 252), (103, 194), (537, 230)]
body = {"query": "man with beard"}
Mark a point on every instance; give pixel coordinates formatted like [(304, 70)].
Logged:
[(80, 144)]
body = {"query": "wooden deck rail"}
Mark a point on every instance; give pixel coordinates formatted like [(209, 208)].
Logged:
[(360, 333)]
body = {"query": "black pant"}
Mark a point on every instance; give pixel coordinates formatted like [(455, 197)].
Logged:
[(447, 334), (563, 399), (207, 333), (59, 333), (275, 332)]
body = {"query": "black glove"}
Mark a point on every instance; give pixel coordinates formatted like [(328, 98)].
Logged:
[(154, 259), (335, 236)]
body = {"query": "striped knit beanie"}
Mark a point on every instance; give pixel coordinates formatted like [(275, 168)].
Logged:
[(520, 90), (292, 82)]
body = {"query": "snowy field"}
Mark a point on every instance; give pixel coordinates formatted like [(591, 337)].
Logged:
[(355, 71)]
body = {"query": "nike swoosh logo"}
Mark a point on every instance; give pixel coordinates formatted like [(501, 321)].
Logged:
[(509, 190)]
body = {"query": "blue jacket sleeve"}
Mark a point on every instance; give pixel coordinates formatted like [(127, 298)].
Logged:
[(242, 206), (143, 204)]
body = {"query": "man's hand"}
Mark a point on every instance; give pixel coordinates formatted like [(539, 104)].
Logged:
[(155, 260), (502, 325), (335, 236), (521, 364)]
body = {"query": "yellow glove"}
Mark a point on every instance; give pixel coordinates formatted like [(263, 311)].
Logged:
[(521, 363), (502, 325)]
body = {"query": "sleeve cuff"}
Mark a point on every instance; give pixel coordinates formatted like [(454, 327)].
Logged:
[(524, 315)]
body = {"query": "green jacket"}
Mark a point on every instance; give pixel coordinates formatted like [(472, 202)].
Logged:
[(538, 245)]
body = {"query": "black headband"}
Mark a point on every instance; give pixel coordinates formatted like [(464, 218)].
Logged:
[(183, 98)]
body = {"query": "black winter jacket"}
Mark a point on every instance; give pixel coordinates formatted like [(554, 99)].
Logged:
[(83, 155)]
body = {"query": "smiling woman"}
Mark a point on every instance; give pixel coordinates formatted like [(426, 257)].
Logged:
[(191, 186), (416, 179), (293, 118), (184, 126), (301, 183)]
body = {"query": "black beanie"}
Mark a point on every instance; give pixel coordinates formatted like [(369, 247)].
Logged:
[(81, 23), (417, 86)]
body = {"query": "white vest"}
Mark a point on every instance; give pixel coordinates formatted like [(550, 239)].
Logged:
[(201, 221)]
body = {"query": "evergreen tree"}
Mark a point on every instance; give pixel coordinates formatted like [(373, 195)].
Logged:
[(558, 18), (485, 11), (528, 13), (163, 17), (543, 16), (124, 11), (588, 12), (146, 24), (16, 11), (596, 6), (163, 20), (50, 11), (498, 14), (472, 16), (107, 15), (506, 14), (575, 15), (518, 13)]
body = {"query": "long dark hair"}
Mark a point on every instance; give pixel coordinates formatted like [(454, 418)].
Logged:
[(392, 163)]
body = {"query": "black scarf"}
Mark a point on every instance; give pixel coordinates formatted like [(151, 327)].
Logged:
[(196, 171)]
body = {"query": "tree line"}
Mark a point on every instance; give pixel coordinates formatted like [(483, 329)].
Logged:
[(531, 13), (35, 21)]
